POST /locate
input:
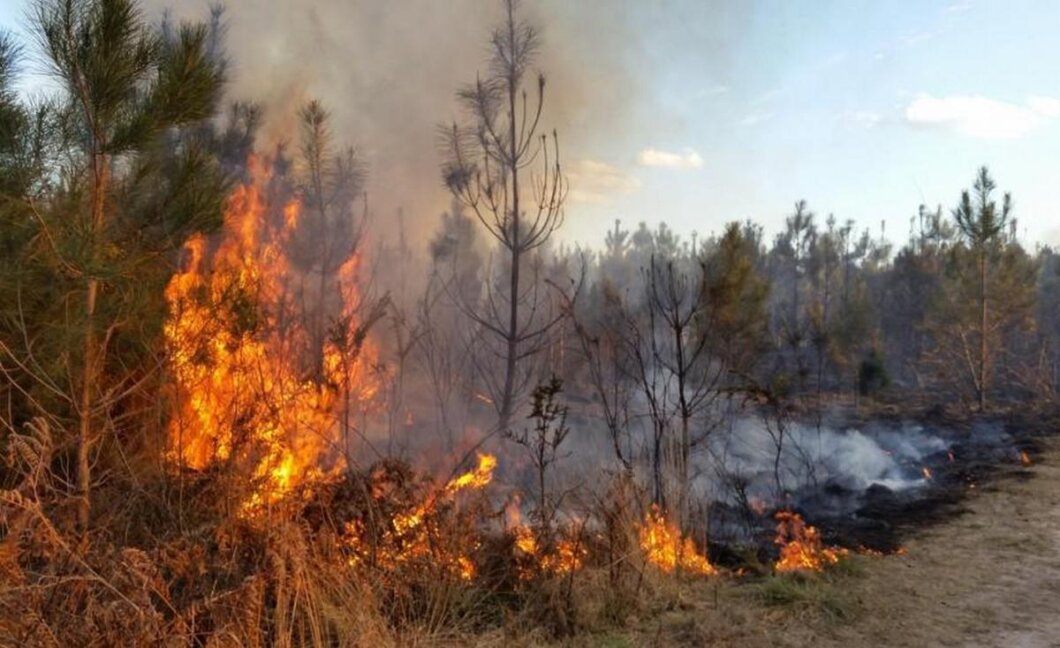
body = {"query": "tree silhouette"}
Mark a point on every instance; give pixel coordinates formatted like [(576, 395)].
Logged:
[(486, 167)]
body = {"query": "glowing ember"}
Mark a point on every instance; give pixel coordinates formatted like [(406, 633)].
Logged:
[(237, 349), (1025, 458), (926, 472), (876, 553), (663, 546), (800, 545)]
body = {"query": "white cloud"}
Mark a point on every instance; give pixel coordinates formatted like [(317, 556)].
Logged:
[(836, 58), (1045, 106), (981, 117), (689, 159), (597, 183), (865, 118)]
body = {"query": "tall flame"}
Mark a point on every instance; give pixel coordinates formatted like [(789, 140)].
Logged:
[(236, 341)]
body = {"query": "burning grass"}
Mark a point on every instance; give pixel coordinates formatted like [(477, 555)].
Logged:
[(262, 529), (666, 549), (411, 526), (801, 548)]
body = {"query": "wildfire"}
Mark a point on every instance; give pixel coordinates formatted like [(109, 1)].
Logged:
[(926, 472), (1025, 459), (800, 544), (238, 348), (661, 542), (414, 535), (477, 478), (566, 555)]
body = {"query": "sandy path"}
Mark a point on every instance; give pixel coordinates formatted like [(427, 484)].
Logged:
[(990, 577)]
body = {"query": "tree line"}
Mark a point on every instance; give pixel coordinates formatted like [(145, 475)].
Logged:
[(649, 343)]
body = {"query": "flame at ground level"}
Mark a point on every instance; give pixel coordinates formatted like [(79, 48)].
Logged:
[(800, 545), (559, 555), (418, 535), (663, 546)]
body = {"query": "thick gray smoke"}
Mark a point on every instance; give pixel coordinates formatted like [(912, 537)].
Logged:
[(812, 456), (389, 71)]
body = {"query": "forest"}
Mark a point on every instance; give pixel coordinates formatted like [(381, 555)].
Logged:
[(232, 413)]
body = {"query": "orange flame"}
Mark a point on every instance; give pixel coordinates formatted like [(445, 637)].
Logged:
[(800, 544), (663, 546), (477, 478), (565, 556), (1025, 459), (234, 344), (411, 536), (926, 472)]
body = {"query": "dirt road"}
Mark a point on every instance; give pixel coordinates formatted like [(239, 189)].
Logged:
[(990, 577)]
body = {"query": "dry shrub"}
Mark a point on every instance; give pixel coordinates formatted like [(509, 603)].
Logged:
[(201, 576), (376, 558), (416, 546)]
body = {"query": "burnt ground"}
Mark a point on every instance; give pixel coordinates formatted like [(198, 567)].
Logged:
[(979, 452), (989, 577), (982, 569)]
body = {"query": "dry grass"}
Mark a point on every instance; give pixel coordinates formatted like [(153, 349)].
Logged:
[(988, 578)]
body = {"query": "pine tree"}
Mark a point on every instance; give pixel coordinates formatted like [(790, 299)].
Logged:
[(131, 187), (981, 223), (487, 169)]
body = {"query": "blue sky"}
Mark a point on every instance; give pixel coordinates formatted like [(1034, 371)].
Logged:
[(700, 112), (865, 109)]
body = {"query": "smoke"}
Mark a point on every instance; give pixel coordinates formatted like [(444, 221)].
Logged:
[(810, 456), (389, 71)]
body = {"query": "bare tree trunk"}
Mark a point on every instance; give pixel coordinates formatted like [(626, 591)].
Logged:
[(508, 397), (491, 187)]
